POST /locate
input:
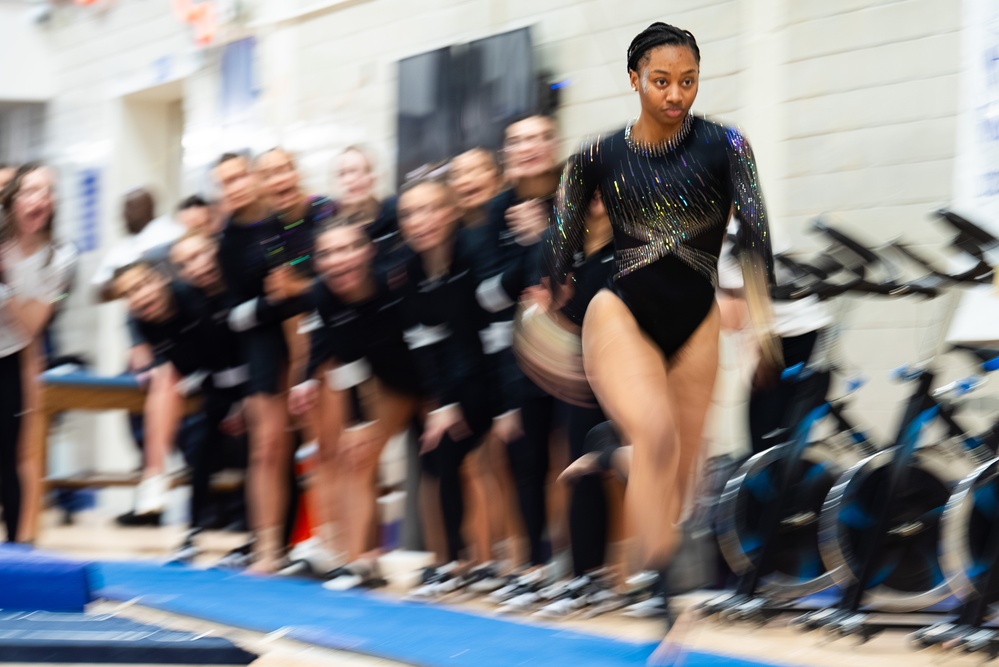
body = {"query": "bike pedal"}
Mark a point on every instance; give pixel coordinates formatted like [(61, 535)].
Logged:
[(978, 641), (934, 635)]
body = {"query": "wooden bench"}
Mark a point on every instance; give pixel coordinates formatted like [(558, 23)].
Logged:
[(63, 391)]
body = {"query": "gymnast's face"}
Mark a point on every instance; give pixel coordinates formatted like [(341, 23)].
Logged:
[(279, 180), (356, 178), (238, 184), (529, 148), (667, 84), (427, 216), (196, 259), (343, 259), (475, 178), (145, 290)]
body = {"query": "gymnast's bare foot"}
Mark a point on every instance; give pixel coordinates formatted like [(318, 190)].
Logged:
[(587, 464), (263, 565), (592, 463), (672, 651)]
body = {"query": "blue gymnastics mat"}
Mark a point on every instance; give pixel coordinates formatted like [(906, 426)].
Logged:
[(411, 633), (80, 638), (37, 581)]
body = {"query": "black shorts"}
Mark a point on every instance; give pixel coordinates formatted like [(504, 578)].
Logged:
[(266, 353)]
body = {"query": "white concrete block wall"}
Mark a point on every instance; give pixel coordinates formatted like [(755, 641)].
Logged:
[(870, 109), (350, 55), (94, 56), (851, 107)]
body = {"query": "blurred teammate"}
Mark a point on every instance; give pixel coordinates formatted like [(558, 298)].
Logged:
[(443, 325), (251, 247), (475, 178), (186, 324), (517, 219), (363, 382)]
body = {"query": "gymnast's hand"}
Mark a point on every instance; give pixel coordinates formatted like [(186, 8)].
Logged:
[(303, 397), (282, 283), (560, 294), (234, 425), (538, 295), (766, 376), (449, 420), (508, 427), (140, 358)]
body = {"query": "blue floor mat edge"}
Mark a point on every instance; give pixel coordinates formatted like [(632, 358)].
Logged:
[(370, 624)]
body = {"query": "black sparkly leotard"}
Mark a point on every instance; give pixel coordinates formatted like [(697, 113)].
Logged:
[(669, 205)]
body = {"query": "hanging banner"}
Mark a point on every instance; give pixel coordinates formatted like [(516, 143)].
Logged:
[(976, 168), (88, 206), (976, 162)]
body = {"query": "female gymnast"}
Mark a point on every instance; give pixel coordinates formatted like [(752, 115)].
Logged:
[(650, 340)]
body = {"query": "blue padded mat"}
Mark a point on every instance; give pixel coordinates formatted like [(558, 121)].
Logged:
[(80, 638), (78, 377), (33, 580), (406, 632)]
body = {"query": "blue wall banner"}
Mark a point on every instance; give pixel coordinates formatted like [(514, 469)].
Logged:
[(88, 185)]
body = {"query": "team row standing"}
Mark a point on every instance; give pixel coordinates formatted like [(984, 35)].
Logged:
[(415, 301)]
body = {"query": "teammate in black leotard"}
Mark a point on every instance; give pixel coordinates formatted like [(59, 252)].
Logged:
[(185, 323), (443, 325), (651, 341), (592, 269), (475, 178), (358, 204), (255, 246), (362, 379), (516, 220)]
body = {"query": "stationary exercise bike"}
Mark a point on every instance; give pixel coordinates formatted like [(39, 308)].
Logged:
[(880, 525), (768, 511)]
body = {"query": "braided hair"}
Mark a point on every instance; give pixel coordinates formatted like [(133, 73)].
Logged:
[(659, 34)]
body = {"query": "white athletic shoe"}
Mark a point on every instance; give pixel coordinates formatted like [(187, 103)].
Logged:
[(531, 582), (521, 604), (150, 494), (344, 582), (319, 558), (485, 579), (654, 607), (437, 581)]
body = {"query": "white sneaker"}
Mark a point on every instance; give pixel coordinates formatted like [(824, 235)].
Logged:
[(150, 494), (344, 582), (653, 607), (319, 558), (521, 604)]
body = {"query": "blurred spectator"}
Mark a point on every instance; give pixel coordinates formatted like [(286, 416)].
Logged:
[(35, 275), (145, 231), (7, 172)]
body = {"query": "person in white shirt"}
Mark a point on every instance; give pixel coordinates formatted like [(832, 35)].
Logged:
[(145, 232), (35, 276)]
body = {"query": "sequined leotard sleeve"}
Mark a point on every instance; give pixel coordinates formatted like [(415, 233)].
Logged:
[(669, 206)]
